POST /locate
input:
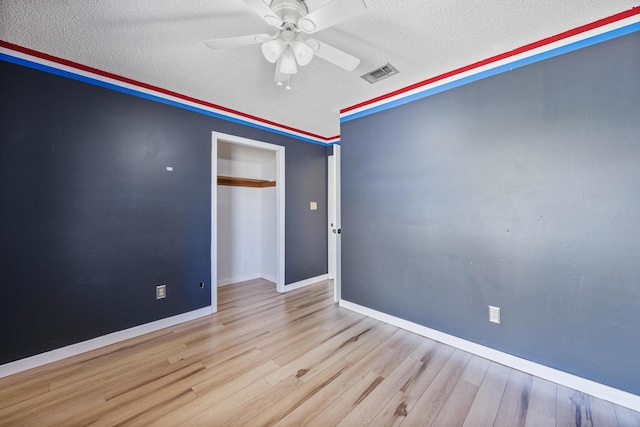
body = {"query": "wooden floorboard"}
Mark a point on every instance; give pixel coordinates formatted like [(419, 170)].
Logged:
[(288, 360)]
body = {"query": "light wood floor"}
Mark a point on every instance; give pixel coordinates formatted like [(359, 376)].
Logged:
[(294, 359)]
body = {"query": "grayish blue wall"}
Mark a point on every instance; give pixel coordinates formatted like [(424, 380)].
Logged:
[(521, 191), (91, 221)]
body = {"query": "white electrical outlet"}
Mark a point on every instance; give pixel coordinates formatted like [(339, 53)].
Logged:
[(494, 314), (161, 291)]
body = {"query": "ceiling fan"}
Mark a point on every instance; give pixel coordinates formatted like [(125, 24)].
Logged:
[(286, 48)]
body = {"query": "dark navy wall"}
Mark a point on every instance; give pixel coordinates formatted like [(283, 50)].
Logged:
[(91, 221), (521, 191)]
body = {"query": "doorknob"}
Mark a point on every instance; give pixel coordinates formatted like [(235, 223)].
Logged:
[(338, 231)]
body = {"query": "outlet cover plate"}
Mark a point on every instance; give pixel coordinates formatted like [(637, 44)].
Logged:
[(494, 314)]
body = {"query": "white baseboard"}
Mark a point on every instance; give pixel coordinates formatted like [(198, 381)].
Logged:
[(238, 279), (306, 282), (584, 385), (92, 344)]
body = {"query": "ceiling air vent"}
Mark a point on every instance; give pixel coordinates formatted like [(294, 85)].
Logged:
[(380, 73)]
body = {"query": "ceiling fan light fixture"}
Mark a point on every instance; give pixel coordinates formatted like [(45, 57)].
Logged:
[(272, 50), (302, 52), (281, 78), (288, 62), (278, 76)]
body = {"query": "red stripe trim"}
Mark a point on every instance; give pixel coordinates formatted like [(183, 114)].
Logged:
[(109, 75), (570, 33)]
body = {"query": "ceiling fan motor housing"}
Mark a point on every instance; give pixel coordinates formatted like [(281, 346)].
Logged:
[(290, 11)]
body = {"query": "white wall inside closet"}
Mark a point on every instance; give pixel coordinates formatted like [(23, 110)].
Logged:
[(246, 216)]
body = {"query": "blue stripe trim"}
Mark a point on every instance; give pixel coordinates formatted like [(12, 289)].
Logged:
[(155, 98), (619, 32)]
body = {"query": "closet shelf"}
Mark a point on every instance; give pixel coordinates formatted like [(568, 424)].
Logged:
[(244, 182)]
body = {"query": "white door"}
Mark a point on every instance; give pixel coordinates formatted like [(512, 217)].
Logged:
[(334, 220)]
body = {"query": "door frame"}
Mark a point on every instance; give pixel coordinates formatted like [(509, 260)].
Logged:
[(280, 207), (333, 206)]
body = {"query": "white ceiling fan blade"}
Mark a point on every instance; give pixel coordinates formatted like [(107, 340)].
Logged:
[(331, 14), (333, 55), (265, 12), (231, 42)]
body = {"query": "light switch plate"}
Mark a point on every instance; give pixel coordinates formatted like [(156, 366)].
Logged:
[(313, 206), (161, 291)]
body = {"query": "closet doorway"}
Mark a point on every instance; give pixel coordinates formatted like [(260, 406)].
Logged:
[(247, 212)]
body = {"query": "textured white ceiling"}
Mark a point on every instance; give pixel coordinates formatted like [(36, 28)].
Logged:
[(159, 42)]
